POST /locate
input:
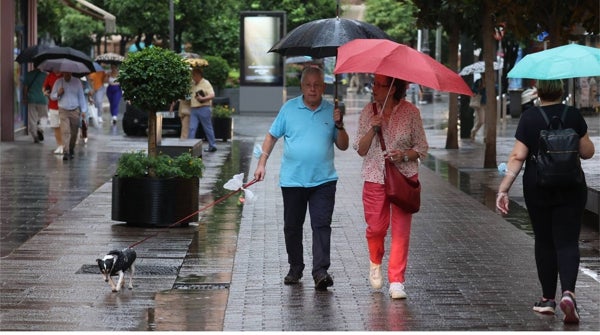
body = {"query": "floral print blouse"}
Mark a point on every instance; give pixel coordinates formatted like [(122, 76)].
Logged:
[(402, 129)]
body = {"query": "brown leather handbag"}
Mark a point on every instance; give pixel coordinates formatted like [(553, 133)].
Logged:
[(402, 191)]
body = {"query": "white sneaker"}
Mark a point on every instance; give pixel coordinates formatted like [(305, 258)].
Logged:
[(397, 291), (375, 277), (59, 150)]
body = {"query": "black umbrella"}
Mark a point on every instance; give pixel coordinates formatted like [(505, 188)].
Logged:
[(61, 53), (321, 38), (26, 55)]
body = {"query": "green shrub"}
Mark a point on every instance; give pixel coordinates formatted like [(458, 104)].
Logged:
[(138, 165), (153, 78), (217, 71)]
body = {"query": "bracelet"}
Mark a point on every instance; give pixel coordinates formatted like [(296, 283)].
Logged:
[(510, 173), (502, 194), (340, 126), (265, 154)]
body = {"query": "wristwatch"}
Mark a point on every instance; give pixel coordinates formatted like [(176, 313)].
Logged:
[(405, 158)]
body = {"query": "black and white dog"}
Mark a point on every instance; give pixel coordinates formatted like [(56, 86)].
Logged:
[(116, 263)]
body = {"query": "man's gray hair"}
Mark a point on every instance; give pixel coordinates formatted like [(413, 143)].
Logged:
[(312, 70)]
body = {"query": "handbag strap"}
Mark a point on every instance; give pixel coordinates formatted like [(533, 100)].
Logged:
[(380, 132)]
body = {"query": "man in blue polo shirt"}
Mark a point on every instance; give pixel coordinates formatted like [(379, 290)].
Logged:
[(310, 126)]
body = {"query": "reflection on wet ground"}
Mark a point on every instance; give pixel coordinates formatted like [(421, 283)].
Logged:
[(199, 295), (481, 185)]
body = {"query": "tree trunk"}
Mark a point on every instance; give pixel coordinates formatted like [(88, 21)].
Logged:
[(489, 55), (452, 135), (154, 136)]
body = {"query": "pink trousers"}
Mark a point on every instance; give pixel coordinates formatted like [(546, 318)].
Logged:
[(379, 214)]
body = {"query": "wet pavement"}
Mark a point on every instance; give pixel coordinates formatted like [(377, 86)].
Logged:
[(469, 268)]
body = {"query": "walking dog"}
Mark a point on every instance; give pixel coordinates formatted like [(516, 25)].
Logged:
[(116, 263)]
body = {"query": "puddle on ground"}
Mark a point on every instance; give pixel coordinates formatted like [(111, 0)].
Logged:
[(200, 292), (476, 184)]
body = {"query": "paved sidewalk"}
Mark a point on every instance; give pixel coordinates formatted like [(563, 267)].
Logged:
[(469, 268)]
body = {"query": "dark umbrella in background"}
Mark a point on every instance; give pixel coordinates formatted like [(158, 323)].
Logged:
[(26, 55), (66, 56), (321, 38)]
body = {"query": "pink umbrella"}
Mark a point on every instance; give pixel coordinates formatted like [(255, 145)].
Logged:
[(396, 60)]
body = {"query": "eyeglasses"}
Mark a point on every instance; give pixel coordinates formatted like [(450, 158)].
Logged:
[(376, 84), (312, 86)]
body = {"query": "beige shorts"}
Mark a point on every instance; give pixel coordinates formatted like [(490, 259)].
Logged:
[(53, 118)]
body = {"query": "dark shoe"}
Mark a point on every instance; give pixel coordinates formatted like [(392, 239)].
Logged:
[(545, 307), (210, 149), (293, 277), (65, 157), (569, 308), (40, 135), (323, 281)]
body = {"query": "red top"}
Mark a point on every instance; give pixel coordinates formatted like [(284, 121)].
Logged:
[(47, 86)]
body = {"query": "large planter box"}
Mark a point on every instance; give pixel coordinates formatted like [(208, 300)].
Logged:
[(155, 202)]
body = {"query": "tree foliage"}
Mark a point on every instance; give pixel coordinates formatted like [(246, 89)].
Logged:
[(217, 71), (153, 78), (398, 20), (77, 29)]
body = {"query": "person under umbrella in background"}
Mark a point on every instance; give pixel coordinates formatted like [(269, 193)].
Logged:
[(114, 92), (479, 88), (37, 108), (98, 91), (399, 122), (311, 127), (72, 104), (200, 113), (53, 115)]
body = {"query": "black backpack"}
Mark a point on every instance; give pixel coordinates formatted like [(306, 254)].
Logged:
[(557, 160)]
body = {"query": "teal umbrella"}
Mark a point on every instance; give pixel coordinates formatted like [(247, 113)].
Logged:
[(567, 61)]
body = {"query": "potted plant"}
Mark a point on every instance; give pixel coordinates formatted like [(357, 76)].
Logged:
[(222, 121), (148, 188), (168, 197)]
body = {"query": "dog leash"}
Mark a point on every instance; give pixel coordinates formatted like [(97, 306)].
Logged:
[(221, 199)]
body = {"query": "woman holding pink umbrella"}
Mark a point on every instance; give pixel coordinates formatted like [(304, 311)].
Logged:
[(400, 124)]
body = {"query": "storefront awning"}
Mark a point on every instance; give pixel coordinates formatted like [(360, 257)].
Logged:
[(110, 21)]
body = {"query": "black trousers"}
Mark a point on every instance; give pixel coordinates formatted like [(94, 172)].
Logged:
[(556, 228), (320, 201)]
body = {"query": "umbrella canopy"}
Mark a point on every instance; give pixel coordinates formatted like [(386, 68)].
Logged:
[(27, 54), (396, 60), (477, 67), (65, 54), (298, 60), (567, 61), (321, 38), (196, 62), (110, 58), (64, 65)]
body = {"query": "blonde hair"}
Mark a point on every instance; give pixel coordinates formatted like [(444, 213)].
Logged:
[(550, 90)]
